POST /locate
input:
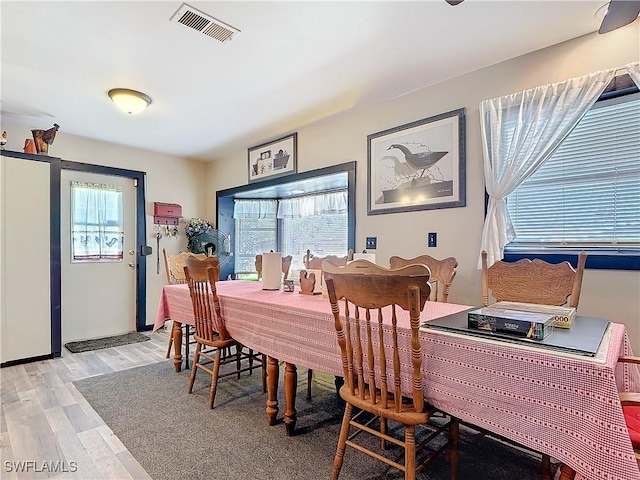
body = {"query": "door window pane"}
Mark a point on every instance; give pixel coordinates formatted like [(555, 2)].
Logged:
[(97, 224)]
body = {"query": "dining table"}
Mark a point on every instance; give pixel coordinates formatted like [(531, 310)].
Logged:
[(560, 404)]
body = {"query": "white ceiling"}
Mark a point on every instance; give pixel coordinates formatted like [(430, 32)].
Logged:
[(294, 63)]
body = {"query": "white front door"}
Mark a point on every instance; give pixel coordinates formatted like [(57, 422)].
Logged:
[(98, 297)]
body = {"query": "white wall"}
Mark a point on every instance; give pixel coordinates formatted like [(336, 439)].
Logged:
[(169, 179), (611, 294)]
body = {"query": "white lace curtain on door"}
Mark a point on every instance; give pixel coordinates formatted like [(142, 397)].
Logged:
[(97, 225)]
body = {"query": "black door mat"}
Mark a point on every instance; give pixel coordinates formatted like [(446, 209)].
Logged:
[(105, 342)]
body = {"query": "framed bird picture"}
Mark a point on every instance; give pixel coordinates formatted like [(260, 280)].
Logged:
[(418, 166)]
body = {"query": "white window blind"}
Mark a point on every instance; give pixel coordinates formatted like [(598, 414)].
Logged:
[(588, 193)]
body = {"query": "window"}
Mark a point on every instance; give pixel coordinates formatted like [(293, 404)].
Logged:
[(254, 236), (324, 235), (317, 222), (97, 228), (281, 192), (586, 196)]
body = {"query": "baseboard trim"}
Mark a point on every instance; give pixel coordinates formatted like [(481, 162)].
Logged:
[(20, 361)]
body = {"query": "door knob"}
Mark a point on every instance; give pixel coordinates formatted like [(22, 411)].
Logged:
[(132, 264)]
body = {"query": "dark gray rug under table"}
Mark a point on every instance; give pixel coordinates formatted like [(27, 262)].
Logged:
[(106, 342), (175, 435)]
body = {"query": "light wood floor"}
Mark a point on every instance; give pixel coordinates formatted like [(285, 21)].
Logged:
[(44, 419)]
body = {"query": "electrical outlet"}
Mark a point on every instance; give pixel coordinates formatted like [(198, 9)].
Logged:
[(432, 239), (371, 243)]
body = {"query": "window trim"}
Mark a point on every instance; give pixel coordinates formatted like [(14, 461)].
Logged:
[(597, 258)]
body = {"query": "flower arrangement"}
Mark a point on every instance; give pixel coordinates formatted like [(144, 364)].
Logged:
[(197, 226)]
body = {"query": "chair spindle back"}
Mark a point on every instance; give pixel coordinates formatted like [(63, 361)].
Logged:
[(202, 276), (367, 327)]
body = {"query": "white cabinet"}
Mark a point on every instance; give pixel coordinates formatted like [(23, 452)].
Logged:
[(25, 298)]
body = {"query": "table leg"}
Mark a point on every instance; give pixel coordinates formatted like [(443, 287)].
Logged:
[(290, 387), (272, 389), (176, 331)]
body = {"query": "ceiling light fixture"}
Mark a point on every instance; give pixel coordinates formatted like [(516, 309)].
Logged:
[(129, 101)]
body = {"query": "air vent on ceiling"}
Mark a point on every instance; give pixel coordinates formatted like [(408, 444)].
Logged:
[(205, 24)]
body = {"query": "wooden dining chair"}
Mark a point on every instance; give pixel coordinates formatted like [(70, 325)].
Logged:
[(369, 345), (286, 265), (211, 335), (442, 273), (174, 268), (533, 281), (630, 402), (314, 262)]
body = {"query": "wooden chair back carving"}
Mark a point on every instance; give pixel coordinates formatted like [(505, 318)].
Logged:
[(202, 276), (442, 273), (367, 334), (533, 281), (368, 287), (174, 265), (314, 262), (286, 265)]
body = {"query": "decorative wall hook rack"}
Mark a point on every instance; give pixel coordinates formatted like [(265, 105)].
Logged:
[(167, 214)]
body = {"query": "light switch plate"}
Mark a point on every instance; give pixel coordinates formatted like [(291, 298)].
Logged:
[(371, 243), (432, 239)]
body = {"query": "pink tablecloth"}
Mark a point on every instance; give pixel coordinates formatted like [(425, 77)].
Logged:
[(562, 405)]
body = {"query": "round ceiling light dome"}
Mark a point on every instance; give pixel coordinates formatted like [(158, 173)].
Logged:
[(129, 101)]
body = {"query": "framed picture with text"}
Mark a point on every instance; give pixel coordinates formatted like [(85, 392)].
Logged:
[(418, 166), (273, 159)]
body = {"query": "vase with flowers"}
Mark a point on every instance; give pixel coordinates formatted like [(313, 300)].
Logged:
[(194, 230)]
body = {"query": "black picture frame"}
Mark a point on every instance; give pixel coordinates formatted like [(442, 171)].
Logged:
[(273, 159), (418, 166)]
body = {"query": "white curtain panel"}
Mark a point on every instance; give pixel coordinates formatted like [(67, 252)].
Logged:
[(634, 72), (309, 205), (244, 209), (521, 131)]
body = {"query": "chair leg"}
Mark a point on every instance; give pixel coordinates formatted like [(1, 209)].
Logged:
[(546, 467), (452, 451), (383, 430), (342, 441), (309, 381), (409, 452), (264, 373), (238, 358), (194, 367), (250, 362), (567, 473), (214, 377), (187, 331)]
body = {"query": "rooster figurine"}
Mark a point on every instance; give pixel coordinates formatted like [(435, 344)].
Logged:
[(307, 282), (44, 138)]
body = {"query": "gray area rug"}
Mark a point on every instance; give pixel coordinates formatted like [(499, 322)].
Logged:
[(106, 342), (174, 435)]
